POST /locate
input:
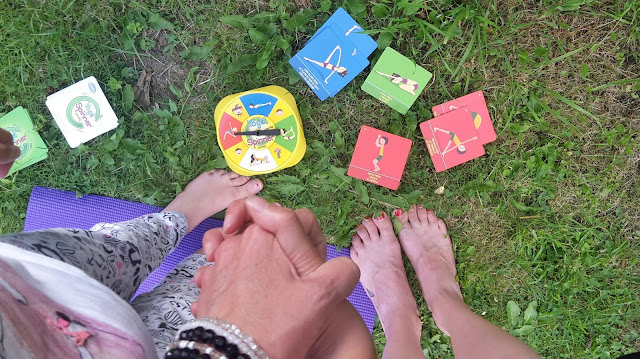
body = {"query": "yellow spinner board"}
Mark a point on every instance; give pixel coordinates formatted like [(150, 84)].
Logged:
[(260, 131)]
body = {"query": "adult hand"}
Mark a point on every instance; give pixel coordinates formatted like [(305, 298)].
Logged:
[(269, 278), (8, 152)]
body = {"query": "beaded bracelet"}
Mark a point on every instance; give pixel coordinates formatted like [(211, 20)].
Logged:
[(213, 338)]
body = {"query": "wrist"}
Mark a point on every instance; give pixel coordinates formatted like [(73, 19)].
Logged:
[(213, 338)]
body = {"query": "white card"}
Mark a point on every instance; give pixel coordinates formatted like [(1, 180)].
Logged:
[(82, 112)]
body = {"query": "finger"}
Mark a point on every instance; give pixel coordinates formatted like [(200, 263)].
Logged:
[(4, 169), (288, 229), (283, 223), (8, 152), (337, 278), (235, 217), (210, 242), (312, 227), (194, 309), (5, 136)]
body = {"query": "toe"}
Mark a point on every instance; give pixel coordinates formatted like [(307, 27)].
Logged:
[(250, 187), (233, 175), (431, 217), (383, 222), (403, 217), (422, 214), (371, 228), (363, 233), (356, 243), (413, 216), (442, 226), (353, 252), (238, 180)]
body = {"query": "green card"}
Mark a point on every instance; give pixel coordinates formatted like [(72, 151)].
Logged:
[(32, 148), (396, 81)]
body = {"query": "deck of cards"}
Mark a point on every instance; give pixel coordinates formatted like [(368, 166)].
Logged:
[(458, 132), (32, 148), (396, 81), (82, 112), (379, 157), (334, 56)]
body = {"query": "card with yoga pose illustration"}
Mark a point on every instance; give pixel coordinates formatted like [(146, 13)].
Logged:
[(477, 105), (334, 56), (452, 139), (379, 157), (396, 81)]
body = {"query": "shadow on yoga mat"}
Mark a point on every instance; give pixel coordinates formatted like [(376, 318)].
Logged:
[(52, 208)]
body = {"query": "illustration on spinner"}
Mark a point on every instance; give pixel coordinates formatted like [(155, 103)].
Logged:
[(260, 131)]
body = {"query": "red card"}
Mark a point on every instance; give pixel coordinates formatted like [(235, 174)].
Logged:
[(476, 103), (379, 157), (452, 139)]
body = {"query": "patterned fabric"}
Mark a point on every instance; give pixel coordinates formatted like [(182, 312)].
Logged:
[(121, 256)]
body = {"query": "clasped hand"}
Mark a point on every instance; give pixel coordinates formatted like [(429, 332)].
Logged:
[(270, 277)]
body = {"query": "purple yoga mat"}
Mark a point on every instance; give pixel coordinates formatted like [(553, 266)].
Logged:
[(52, 208)]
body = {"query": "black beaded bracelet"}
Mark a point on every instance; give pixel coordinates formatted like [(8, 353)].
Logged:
[(213, 338)]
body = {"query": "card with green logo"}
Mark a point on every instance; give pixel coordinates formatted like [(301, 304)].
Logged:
[(396, 81), (32, 148)]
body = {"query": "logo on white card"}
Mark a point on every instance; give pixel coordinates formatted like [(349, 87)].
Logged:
[(83, 111), (92, 87)]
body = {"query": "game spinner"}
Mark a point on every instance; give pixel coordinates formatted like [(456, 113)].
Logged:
[(260, 131)]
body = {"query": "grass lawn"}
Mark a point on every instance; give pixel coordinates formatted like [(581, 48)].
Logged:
[(546, 225)]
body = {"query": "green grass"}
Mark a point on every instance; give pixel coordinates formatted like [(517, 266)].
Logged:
[(547, 220)]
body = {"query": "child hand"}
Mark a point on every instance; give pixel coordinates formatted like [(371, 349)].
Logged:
[(8, 152)]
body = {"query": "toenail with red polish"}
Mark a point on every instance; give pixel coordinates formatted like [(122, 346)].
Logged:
[(367, 218), (420, 206), (358, 226), (398, 212), (382, 216)]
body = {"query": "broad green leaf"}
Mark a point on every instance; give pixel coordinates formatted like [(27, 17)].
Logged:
[(157, 22), (264, 56), (257, 37), (530, 314), (524, 330), (513, 311), (379, 11), (235, 20), (361, 190), (127, 97)]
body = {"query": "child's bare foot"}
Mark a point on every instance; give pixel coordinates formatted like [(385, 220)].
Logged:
[(425, 240), (210, 193), (376, 250)]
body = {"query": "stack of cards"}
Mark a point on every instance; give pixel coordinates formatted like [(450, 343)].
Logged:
[(396, 81), (459, 130), (334, 56), (379, 157), (32, 148), (82, 111)]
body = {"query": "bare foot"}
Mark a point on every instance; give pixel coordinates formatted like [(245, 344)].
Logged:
[(376, 250), (210, 193), (425, 240)]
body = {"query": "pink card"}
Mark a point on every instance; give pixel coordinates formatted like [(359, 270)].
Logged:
[(379, 157), (452, 139), (476, 103)]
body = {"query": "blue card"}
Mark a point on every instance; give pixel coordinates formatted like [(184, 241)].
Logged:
[(327, 63), (351, 30)]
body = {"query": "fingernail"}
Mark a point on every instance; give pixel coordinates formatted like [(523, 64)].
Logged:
[(398, 212)]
